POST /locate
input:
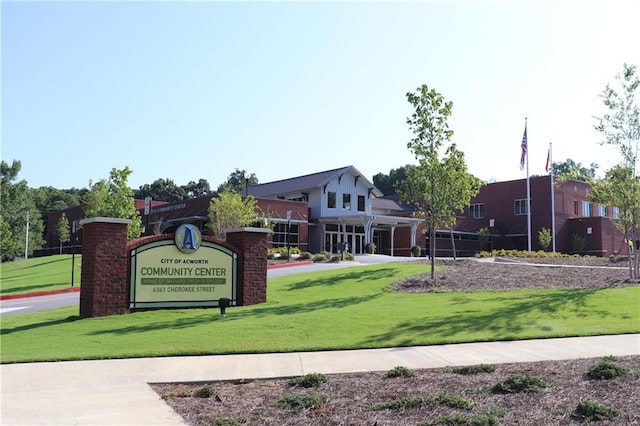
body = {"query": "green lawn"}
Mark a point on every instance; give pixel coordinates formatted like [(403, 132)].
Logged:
[(341, 309), (39, 274)]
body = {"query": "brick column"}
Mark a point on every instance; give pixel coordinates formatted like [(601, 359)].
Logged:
[(104, 289), (252, 263)]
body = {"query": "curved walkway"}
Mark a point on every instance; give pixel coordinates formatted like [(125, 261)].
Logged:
[(115, 392)]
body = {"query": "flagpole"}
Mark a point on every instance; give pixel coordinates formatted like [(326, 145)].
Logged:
[(553, 207), (528, 193)]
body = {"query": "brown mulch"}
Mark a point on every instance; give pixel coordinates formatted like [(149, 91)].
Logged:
[(350, 397)]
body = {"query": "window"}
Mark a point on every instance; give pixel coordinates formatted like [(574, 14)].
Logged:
[(602, 210), (616, 213), (520, 207), (586, 209), (346, 201), (331, 200), (280, 235), (576, 207), (360, 203), (476, 211)]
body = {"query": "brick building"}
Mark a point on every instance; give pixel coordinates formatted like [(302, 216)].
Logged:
[(340, 209)]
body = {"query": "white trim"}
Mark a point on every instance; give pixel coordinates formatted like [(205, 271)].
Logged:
[(250, 229), (105, 220)]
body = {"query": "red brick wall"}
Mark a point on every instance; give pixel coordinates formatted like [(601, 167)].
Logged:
[(252, 265), (105, 264)]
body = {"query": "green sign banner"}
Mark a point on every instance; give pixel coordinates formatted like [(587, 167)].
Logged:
[(165, 275)]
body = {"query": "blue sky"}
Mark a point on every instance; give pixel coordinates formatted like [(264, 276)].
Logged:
[(190, 90)]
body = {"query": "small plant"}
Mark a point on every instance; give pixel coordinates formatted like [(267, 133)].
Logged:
[(319, 257), (398, 371), (311, 380), (305, 255), (229, 422), (207, 391), (349, 256), (588, 411), (335, 258), (606, 369), (299, 401), (452, 401), (516, 383), (415, 251), (472, 369), (463, 419), (371, 248), (400, 403)]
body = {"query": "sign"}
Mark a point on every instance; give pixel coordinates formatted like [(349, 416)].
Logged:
[(183, 272)]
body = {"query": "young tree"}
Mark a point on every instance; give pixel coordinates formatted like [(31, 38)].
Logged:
[(229, 210), (437, 188), (621, 129), (63, 231), (112, 197), (544, 238)]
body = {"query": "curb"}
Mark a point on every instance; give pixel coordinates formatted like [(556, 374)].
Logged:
[(76, 289)]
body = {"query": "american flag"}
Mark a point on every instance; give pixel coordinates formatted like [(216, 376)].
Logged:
[(523, 145)]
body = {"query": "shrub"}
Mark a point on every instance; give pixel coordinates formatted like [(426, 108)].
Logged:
[(415, 251), (335, 258), (606, 369), (473, 369), (305, 255), (300, 401), (398, 371), (463, 419), (451, 400), (400, 403), (349, 256), (319, 257), (516, 383), (229, 422), (588, 411), (371, 248), (311, 380), (207, 391)]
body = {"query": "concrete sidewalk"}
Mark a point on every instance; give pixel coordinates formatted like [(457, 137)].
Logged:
[(116, 392)]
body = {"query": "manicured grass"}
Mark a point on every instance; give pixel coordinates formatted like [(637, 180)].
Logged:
[(39, 274), (340, 309)]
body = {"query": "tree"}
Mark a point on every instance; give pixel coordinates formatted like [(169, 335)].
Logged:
[(238, 181), (569, 169), (195, 190), (113, 198), (161, 190), (62, 230), (48, 199), (388, 184), (544, 238), (437, 187), (621, 129), (229, 210), (19, 214)]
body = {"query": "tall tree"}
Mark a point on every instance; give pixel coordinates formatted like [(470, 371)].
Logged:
[(112, 197), (437, 187), (620, 127), (195, 190), (238, 181), (230, 210), (161, 190), (19, 214), (569, 169), (63, 231), (389, 184)]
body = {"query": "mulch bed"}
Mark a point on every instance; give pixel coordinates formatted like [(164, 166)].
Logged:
[(350, 397)]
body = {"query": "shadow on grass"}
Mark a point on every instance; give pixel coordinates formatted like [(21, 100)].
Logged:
[(33, 288), (508, 321), (357, 276), (213, 314), (66, 320)]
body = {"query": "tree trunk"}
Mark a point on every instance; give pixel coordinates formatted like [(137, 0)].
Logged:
[(432, 250), (453, 243)]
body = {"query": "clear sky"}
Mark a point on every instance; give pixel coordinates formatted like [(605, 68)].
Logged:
[(191, 90)]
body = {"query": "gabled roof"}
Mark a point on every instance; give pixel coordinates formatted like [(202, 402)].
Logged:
[(305, 183)]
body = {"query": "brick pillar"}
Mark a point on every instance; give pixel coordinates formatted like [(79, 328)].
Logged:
[(104, 267), (252, 263)]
